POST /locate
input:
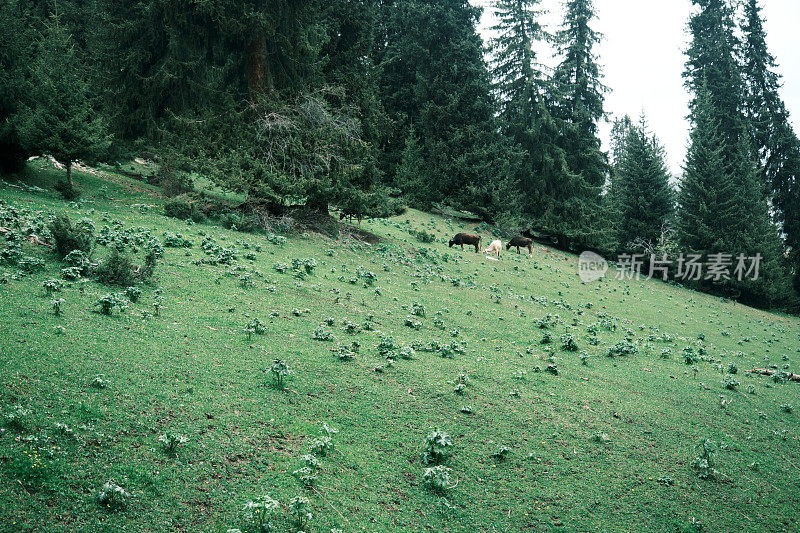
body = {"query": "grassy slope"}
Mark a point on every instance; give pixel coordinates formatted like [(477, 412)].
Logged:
[(193, 371)]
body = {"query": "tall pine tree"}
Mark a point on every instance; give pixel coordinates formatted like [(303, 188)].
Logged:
[(60, 119), (573, 205), (723, 206), (520, 86), (17, 49), (771, 134), (433, 76), (641, 187)]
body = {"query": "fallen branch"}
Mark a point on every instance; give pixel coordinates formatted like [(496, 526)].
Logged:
[(769, 372), (35, 239)]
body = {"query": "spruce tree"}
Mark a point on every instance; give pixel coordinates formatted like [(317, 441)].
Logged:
[(573, 207), (771, 134), (723, 207), (519, 79), (521, 87), (712, 61), (60, 119), (433, 76), (412, 176), (643, 190), (707, 198)]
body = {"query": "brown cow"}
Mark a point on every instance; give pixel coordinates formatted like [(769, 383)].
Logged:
[(465, 238), (350, 216), (521, 242)]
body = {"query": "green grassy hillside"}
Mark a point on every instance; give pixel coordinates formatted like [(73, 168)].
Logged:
[(594, 443)]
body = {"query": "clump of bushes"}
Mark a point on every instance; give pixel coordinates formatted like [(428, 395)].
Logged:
[(501, 453), (255, 327), (621, 349), (119, 269), (423, 236), (113, 497), (67, 191), (67, 238), (258, 513), (176, 240), (239, 222), (116, 269), (320, 334), (568, 343), (689, 356), (705, 462), (181, 208), (171, 441), (133, 294), (280, 372), (79, 260), (436, 447), (730, 383), (16, 418), (106, 304), (437, 478)]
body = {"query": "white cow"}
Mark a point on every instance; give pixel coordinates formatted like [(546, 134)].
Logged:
[(494, 248)]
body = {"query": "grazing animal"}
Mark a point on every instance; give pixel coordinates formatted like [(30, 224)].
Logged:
[(494, 248), (465, 238), (521, 242), (349, 217)]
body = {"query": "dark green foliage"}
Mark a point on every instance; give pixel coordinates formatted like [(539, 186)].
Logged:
[(119, 269), (194, 208), (412, 174), (770, 131), (179, 208), (79, 260), (712, 62), (239, 222), (16, 53), (149, 264), (433, 77), (577, 78), (706, 203), (641, 187), (67, 190), (67, 238), (525, 119), (723, 206), (576, 168), (116, 269), (60, 119)]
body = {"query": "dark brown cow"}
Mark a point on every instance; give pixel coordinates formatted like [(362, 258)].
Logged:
[(466, 238), (350, 216), (521, 242)]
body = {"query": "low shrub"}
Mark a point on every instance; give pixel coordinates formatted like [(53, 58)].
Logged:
[(67, 238), (622, 348), (67, 191), (436, 447), (437, 478), (179, 208), (113, 497), (116, 269)]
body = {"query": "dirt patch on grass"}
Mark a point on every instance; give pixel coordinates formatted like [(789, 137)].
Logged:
[(359, 234), (285, 443)]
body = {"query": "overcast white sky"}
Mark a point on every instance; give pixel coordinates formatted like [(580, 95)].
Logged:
[(641, 57)]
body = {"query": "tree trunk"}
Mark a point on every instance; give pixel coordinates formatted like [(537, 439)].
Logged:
[(69, 175), (259, 77)]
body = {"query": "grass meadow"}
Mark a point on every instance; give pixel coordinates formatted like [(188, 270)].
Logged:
[(546, 436)]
